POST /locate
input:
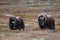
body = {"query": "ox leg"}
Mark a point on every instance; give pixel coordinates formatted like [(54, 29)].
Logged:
[(42, 27), (52, 26), (23, 25)]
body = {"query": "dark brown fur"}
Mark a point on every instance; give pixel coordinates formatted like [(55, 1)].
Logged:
[(19, 24), (49, 22)]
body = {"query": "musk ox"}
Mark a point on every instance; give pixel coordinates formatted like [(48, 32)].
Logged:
[(16, 23), (46, 21)]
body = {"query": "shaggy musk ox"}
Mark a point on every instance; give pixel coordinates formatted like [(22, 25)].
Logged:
[(16, 23), (46, 21)]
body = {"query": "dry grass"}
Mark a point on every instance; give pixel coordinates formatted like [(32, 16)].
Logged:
[(32, 30), (3, 16)]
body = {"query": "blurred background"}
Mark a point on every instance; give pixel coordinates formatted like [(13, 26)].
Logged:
[(29, 11)]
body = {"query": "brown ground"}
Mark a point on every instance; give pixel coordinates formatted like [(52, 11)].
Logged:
[(29, 13), (32, 30)]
